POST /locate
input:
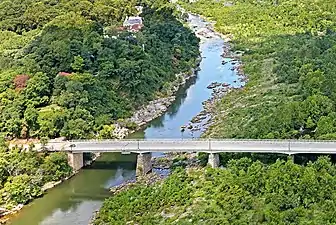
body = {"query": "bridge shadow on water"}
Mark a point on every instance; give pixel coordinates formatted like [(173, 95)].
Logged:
[(111, 161), (108, 165)]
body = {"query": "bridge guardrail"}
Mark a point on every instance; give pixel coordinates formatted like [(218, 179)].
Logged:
[(200, 139)]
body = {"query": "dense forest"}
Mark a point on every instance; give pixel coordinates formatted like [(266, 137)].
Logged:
[(245, 192), (24, 173), (289, 57), (68, 68)]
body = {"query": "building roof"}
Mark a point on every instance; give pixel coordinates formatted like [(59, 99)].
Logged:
[(132, 20)]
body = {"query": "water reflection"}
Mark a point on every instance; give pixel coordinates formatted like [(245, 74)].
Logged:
[(181, 96), (74, 201)]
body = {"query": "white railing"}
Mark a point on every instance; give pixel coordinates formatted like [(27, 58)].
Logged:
[(196, 145), (199, 139)]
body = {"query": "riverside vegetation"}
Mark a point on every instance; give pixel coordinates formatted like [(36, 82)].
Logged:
[(289, 54), (68, 69), (245, 192), (289, 58), (24, 173)]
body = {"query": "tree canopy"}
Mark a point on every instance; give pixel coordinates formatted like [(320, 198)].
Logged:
[(289, 55), (23, 174), (245, 192), (68, 68)]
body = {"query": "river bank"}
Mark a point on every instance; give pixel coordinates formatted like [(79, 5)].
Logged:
[(140, 118), (201, 121), (166, 163), (157, 107), (114, 169)]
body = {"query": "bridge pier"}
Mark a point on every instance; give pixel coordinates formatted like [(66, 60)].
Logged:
[(75, 160), (144, 164), (213, 160)]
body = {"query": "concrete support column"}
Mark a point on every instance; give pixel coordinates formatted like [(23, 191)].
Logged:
[(144, 164), (75, 160), (213, 160)]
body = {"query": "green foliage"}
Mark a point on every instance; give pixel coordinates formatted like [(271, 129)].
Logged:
[(23, 173), (55, 166), (107, 132), (21, 189), (81, 67), (289, 59), (245, 192)]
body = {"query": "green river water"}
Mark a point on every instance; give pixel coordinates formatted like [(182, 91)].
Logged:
[(74, 201)]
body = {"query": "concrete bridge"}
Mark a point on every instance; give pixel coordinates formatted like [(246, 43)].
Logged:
[(144, 148)]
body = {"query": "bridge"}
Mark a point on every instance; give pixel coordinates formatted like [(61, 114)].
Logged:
[(144, 148)]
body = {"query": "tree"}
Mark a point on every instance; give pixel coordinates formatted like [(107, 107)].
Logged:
[(3, 171), (22, 188), (78, 64), (38, 90), (51, 121), (55, 167), (31, 116), (107, 132)]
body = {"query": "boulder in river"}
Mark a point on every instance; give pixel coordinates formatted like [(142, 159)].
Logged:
[(194, 120), (214, 85)]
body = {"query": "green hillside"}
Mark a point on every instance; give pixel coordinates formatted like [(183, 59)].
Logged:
[(289, 59), (67, 68)]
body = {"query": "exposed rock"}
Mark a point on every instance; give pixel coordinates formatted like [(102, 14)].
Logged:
[(157, 107), (3, 212), (147, 180), (50, 185), (214, 85)]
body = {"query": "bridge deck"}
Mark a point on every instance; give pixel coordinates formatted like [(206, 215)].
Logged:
[(196, 145)]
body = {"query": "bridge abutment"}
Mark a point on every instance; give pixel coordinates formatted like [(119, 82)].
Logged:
[(213, 160), (144, 164), (75, 160)]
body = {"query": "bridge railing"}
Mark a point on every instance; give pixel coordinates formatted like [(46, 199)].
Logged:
[(200, 139)]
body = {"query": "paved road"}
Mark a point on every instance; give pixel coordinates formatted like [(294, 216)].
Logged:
[(257, 146)]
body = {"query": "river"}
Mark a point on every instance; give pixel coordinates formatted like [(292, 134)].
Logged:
[(74, 201)]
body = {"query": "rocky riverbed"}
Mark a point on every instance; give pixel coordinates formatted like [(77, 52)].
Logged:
[(171, 160), (155, 108), (203, 120), (5, 214)]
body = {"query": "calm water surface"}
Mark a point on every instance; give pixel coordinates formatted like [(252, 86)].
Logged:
[(74, 201)]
